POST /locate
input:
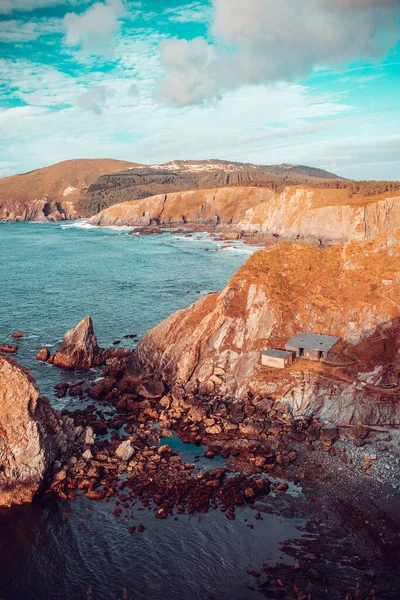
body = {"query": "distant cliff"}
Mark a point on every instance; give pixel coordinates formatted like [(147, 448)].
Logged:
[(50, 194), (350, 290), (321, 216), (180, 175)]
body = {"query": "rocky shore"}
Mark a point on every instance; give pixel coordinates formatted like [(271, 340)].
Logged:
[(33, 436), (318, 216)]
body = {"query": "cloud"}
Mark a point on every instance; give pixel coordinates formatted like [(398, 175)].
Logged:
[(96, 29), (13, 31), (133, 91), (94, 99), (198, 12), (9, 6), (261, 41)]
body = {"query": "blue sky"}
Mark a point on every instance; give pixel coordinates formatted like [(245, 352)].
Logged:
[(313, 82)]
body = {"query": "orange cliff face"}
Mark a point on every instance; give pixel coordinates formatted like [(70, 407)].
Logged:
[(32, 435), (321, 216), (208, 207), (51, 193), (350, 290)]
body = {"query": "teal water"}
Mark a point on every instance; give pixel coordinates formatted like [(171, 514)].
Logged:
[(52, 276)]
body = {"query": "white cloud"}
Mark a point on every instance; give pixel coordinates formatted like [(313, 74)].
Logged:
[(13, 31), (133, 91), (198, 12), (95, 98), (260, 41), (10, 6), (95, 30)]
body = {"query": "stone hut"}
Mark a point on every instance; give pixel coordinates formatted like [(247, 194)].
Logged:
[(313, 346), (278, 359)]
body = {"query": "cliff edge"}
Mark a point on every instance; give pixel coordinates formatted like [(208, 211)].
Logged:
[(351, 291)]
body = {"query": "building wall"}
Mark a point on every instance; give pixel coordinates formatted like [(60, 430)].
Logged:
[(276, 363), (312, 354)]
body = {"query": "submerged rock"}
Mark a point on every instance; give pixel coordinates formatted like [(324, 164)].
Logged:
[(33, 435), (7, 348), (80, 350)]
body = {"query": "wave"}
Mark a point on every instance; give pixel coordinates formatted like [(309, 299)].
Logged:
[(79, 225)]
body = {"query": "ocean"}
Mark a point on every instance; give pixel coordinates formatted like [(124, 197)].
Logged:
[(52, 275)]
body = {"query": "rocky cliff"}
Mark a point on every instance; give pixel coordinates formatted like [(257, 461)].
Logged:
[(350, 290), (32, 435), (50, 194), (321, 216), (182, 175)]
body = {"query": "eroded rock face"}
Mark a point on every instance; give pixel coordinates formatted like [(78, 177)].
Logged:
[(80, 350), (298, 213), (352, 291), (32, 435)]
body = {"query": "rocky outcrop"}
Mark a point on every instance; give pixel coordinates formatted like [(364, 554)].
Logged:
[(52, 193), (80, 350), (319, 216), (351, 290), (32, 436)]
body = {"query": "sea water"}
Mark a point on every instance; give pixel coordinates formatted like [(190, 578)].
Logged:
[(51, 276)]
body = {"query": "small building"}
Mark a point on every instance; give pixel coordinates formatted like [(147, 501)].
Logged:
[(278, 359), (313, 346)]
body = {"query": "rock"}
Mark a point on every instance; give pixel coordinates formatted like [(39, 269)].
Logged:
[(87, 455), (214, 430), (359, 432), (151, 389), (33, 436), (43, 355), (80, 350), (251, 429), (328, 436), (165, 402), (102, 388), (17, 335), (75, 390), (8, 348), (125, 451), (161, 513)]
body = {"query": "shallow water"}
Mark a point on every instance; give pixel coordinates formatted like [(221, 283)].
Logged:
[(52, 276)]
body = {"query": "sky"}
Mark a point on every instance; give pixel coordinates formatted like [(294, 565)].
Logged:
[(311, 82)]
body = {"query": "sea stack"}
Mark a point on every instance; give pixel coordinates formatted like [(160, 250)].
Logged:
[(80, 350)]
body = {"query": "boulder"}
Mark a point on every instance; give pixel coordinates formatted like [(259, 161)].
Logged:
[(251, 429), (80, 350), (33, 436), (151, 389), (17, 335), (8, 348), (125, 451), (43, 355)]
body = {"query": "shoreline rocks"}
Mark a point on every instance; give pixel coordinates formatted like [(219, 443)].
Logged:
[(33, 436), (80, 350)]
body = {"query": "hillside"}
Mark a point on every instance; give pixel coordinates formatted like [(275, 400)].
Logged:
[(351, 291), (51, 192), (321, 216), (192, 175)]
